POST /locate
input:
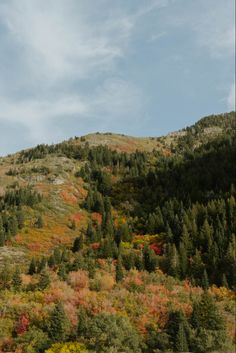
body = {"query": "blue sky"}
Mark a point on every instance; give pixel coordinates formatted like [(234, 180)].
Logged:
[(143, 68)]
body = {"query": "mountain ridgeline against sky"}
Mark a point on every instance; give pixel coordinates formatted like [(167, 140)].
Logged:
[(108, 240)]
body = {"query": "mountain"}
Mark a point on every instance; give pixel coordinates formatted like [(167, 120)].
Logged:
[(104, 222)]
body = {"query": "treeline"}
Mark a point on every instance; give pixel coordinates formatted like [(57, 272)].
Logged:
[(100, 156)]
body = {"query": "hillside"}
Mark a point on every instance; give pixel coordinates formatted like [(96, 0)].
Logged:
[(112, 231)]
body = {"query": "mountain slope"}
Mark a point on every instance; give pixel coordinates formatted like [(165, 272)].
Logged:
[(127, 236)]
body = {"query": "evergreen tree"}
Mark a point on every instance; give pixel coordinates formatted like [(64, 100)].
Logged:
[(20, 219), (39, 222), (62, 272), (58, 324), (2, 237), (224, 281), (32, 267), (185, 239), (197, 267), (13, 225), (51, 261), (119, 270), (82, 322), (57, 256), (44, 280), (42, 264), (205, 314), (16, 279), (173, 261), (183, 260), (78, 244), (5, 276), (181, 344), (205, 281), (149, 259)]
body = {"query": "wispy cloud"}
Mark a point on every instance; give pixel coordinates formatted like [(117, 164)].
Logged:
[(58, 45)]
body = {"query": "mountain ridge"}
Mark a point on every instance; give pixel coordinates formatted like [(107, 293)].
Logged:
[(211, 126)]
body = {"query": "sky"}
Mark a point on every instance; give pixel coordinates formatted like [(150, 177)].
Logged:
[(138, 67)]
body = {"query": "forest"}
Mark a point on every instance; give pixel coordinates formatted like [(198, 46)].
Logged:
[(147, 258)]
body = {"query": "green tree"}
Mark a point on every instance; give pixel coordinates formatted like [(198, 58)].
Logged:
[(78, 244), (62, 272), (205, 281), (119, 270), (112, 333), (205, 314), (58, 324), (16, 279), (39, 222), (181, 344), (44, 280), (149, 259), (32, 267)]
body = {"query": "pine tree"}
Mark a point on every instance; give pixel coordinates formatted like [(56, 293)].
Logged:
[(206, 236), (173, 261), (119, 270), (58, 324), (2, 238), (20, 219), (205, 314), (62, 272), (197, 266), (106, 248), (224, 281), (57, 256), (16, 279), (78, 244), (5, 276), (39, 222), (205, 281), (13, 226), (169, 234), (32, 267), (183, 260), (149, 259), (82, 322), (185, 239), (44, 280), (90, 236), (42, 264), (51, 261), (181, 343)]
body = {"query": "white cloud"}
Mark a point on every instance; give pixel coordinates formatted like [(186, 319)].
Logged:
[(56, 46), (58, 42), (231, 98)]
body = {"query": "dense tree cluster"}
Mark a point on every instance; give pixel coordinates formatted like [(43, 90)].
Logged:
[(11, 214)]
